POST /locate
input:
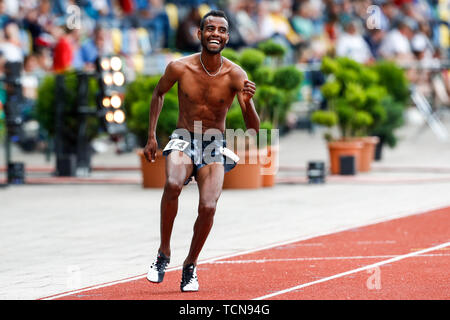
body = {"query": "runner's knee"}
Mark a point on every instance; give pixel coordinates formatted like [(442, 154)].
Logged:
[(173, 187), (207, 208)]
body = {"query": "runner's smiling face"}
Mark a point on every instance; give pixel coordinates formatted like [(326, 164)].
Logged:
[(214, 35)]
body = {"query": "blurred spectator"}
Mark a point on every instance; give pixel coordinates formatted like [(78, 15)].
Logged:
[(154, 18), (301, 19), (11, 48), (29, 77), (273, 22), (66, 45), (351, 44), (331, 26), (4, 18), (90, 50), (245, 21), (186, 38), (236, 36), (396, 44), (374, 38)]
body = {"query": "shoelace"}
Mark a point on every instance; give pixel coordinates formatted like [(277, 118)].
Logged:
[(188, 274), (160, 264)]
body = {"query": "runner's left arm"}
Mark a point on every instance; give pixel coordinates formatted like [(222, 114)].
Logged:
[(245, 94)]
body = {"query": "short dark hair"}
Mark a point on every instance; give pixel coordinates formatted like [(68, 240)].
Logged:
[(214, 13)]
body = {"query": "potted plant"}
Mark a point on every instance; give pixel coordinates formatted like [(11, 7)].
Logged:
[(276, 90), (360, 104), (137, 104), (346, 101), (394, 80)]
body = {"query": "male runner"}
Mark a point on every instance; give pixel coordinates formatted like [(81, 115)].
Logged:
[(207, 85)]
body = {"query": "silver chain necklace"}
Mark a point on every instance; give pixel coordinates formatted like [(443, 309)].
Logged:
[(209, 74)]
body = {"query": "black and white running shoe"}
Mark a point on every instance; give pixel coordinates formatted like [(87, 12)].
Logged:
[(158, 268), (189, 280)]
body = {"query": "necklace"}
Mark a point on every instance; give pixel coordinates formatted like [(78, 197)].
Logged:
[(209, 74)]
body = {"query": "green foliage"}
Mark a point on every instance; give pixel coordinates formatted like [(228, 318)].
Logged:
[(263, 75), (272, 49), (355, 95), (137, 101), (393, 78), (329, 66), (267, 140), (45, 105), (276, 86), (393, 114), (231, 54), (331, 89), (325, 118), (361, 120), (2, 124), (234, 119), (251, 59), (360, 97), (287, 78)]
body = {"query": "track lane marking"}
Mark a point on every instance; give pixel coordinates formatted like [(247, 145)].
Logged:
[(342, 274), (321, 258)]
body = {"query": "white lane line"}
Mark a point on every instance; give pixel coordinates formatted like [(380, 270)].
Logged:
[(321, 258), (339, 275), (398, 215)]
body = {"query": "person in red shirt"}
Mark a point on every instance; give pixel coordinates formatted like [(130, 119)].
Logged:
[(63, 51)]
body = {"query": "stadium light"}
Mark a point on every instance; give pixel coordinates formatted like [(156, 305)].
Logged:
[(109, 116), (106, 102), (119, 116), (108, 79), (116, 102), (116, 63), (105, 64), (118, 78)]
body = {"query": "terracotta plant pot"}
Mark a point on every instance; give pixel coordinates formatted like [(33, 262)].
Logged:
[(337, 149), (367, 153), (269, 165), (153, 173), (246, 174)]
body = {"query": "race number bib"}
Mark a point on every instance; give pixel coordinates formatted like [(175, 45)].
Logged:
[(176, 144), (230, 154)]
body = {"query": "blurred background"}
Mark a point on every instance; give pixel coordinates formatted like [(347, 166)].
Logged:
[(76, 79), (77, 76)]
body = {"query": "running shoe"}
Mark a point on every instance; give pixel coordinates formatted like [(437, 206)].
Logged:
[(158, 268), (189, 280)]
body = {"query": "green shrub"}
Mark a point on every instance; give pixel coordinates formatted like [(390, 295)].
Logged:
[(324, 118), (329, 66), (331, 89), (137, 101), (251, 59), (287, 78), (393, 78), (271, 48), (357, 94), (263, 75), (234, 119), (232, 55)]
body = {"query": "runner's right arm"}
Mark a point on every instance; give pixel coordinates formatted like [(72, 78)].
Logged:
[(166, 82)]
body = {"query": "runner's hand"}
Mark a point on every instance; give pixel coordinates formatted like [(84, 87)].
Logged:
[(249, 90), (150, 149)]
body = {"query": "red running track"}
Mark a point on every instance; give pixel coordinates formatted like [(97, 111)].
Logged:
[(405, 258)]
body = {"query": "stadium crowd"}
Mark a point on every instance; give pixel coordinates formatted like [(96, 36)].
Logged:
[(56, 35)]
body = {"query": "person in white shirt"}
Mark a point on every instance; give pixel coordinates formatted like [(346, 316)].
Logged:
[(351, 44), (396, 44)]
